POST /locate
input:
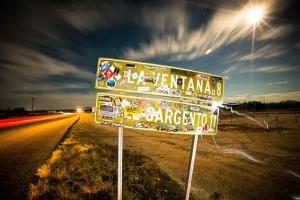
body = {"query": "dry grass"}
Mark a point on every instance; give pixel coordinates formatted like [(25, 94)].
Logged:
[(82, 170), (44, 171), (224, 170), (283, 122), (56, 156)]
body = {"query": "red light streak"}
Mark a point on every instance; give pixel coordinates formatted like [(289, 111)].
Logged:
[(4, 123)]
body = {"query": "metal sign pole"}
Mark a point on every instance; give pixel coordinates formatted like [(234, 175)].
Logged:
[(191, 167), (120, 162)]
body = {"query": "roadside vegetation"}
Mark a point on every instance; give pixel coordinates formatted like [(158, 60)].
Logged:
[(84, 169)]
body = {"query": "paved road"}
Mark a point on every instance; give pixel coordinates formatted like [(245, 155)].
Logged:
[(5, 123), (23, 149)]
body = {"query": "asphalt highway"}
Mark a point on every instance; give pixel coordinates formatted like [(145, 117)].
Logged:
[(24, 148), (5, 123)]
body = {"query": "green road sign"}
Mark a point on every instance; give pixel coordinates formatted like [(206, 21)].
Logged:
[(145, 78), (155, 114)]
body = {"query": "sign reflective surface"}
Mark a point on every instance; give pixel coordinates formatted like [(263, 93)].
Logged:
[(145, 78), (155, 114)]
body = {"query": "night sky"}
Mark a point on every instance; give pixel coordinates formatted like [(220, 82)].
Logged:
[(49, 49)]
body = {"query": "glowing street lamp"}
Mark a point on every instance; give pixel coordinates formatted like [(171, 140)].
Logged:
[(255, 15), (78, 110)]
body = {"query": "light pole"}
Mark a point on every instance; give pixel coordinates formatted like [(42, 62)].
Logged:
[(32, 102), (255, 15)]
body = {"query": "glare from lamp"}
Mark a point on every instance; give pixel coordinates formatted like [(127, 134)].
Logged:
[(78, 110), (255, 15)]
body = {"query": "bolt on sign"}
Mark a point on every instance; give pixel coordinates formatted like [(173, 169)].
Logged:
[(145, 78), (155, 114), (182, 101)]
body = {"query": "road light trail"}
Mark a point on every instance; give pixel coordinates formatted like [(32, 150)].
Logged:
[(4, 123)]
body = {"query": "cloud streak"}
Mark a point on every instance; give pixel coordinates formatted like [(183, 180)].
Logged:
[(84, 17), (189, 45), (224, 28), (26, 70), (265, 52), (278, 83), (275, 33), (270, 69), (90, 15)]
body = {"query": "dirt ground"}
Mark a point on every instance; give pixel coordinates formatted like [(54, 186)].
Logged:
[(243, 161)]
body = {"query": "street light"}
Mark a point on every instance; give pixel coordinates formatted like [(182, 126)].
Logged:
[(78, 110), (255, 14)]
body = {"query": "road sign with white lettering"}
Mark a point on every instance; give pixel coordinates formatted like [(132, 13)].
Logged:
[(145, 78), (155, 114)]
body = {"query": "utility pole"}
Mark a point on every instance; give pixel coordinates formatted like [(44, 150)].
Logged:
[(32, 103)]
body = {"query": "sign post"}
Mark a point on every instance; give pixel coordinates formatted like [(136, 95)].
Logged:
[(120, 162), (191, 167), (160, 98)]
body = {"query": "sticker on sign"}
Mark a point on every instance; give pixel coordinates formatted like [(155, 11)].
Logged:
[(155, 114)]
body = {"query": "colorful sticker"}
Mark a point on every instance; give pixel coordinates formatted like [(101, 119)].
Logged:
[(111, 83)]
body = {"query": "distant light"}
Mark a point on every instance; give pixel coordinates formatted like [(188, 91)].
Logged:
[(79, 110), (255, 14), (208, 51)]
